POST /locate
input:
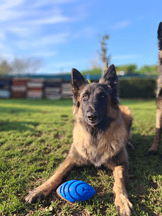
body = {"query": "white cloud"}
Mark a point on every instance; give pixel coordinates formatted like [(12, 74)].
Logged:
[(41, 42), (62, 66), (25, 30), (7, 56), (56, 39), (49, 20), (21, 31), (19, 12), (121, 25), (9, 4), (7, 10), (41, 3)]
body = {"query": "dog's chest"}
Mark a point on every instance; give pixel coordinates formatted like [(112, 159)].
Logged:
[(96, 156), (96, 150)]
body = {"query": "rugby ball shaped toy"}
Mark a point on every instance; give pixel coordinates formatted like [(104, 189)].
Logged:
[(75, 191)]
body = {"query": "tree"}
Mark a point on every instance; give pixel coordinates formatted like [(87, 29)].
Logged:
[(94, 71), (127, 68), (21, 65), (5, 67), (149, 69), (132, 68), (103, 54), (25, 65)]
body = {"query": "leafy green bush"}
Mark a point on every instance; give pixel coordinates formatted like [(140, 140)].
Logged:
[(127, 68), (94, 71), (137, 88)]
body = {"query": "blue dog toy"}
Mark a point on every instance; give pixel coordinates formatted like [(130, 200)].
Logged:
[(75, 191)]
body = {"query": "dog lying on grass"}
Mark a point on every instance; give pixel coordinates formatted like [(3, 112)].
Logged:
[(101, 131)]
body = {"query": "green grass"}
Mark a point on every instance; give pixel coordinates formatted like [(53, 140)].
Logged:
[(35, 138)]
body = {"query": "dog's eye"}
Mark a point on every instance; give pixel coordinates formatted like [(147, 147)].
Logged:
[(102, 96), (85, 96)]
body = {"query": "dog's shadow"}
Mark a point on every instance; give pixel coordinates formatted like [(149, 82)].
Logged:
[(144, 173), (16, 125)]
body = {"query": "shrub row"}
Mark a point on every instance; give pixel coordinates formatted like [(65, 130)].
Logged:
[(137, 88)]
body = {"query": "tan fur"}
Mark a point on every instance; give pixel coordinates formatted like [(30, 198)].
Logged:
[(100, 154), (51, 183), (158, 130), (128, 119), (158, 118), (122, 203), (106, 148), (156, 143)]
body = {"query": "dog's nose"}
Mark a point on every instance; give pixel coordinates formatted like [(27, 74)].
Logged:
[(92, 116)]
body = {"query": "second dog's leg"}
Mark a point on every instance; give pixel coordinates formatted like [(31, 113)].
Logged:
[(51, 183), (154, 148)]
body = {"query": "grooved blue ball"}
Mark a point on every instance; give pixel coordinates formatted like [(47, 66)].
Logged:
[(75, 191)]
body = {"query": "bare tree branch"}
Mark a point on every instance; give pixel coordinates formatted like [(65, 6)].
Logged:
[(103, 54)]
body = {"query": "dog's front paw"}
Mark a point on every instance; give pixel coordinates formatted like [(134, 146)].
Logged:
[(123, 206), (34, 196)]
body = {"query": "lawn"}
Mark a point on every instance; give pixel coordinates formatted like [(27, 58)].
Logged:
[(35, 138)]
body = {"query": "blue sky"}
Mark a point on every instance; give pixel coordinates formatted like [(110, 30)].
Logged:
[(67, 33)]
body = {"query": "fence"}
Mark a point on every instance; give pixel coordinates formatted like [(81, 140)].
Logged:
[(34, 88), (38, 86), (5, 87), (50, 87)]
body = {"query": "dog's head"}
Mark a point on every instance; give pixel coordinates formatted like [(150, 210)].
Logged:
[(92, 101)]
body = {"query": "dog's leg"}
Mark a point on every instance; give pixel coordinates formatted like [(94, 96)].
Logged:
[(154, 148), (123, 205), (51, 183)]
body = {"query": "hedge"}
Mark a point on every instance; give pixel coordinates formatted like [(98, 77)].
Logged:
[(137, 88)]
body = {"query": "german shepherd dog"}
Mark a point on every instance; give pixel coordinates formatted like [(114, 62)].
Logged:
[(154, 149), (101, 131)]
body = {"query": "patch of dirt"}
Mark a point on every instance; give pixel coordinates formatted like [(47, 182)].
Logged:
[(153, 184), (57, 136), (139, 189)]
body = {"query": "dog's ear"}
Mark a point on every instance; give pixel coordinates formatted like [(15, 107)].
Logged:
[(111, 80), (77, 81)]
